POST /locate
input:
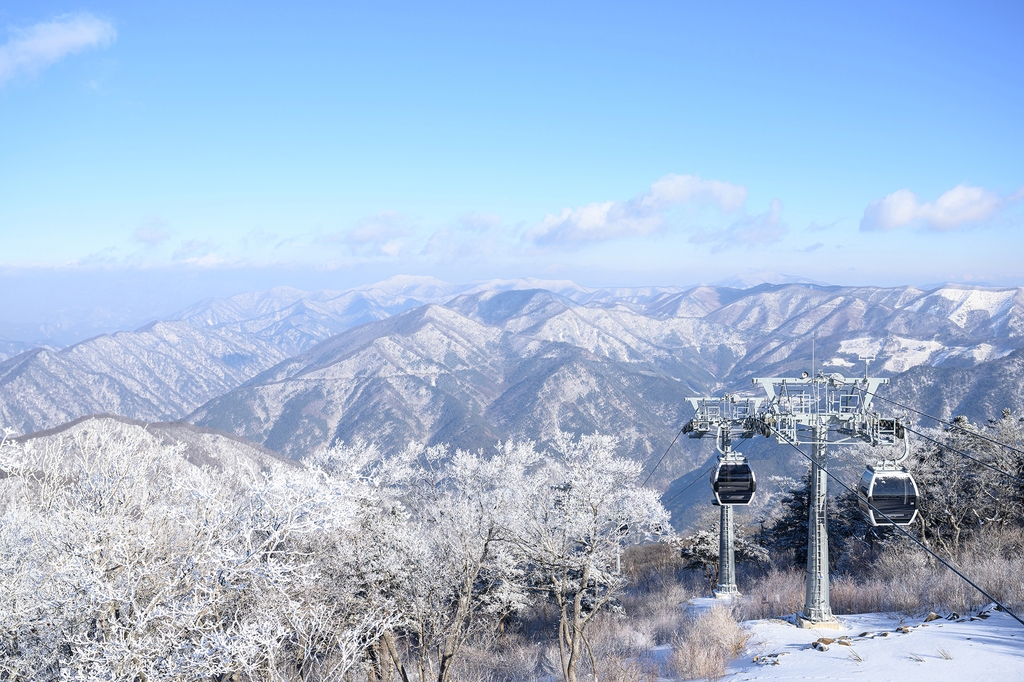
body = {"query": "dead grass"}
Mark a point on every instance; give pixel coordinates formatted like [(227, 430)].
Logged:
[(657, 612), (902, 580), (778, 593), (707, 644)]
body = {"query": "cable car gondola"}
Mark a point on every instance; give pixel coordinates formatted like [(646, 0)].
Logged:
[(889, 490), (733, 481)]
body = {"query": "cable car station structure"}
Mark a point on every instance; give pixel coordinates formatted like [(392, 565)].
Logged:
[(820, 411)]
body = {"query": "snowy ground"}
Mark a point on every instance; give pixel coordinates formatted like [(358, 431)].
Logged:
[(883, 647)]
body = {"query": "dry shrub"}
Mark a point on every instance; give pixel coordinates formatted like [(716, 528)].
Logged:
[(658, 612), (652, 564), (622, 669), (777, 593), (511, 658), (904, 579), (620, 635), (707, 644)]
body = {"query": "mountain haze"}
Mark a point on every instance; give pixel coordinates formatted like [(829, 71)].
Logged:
[(418, 358)]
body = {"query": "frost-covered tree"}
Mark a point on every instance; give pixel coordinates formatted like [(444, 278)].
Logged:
[(960, 497), (121, 560), (436, 549), (581, 508)]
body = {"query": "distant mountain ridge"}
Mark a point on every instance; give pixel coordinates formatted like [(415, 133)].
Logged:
[(8, 349), (418, 358), (296, 320), (493, 364), (161, 372)]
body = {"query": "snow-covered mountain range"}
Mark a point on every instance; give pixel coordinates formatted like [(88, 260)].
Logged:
[(159, 372), (415, 357)]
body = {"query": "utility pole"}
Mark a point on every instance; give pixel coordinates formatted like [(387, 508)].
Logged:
[(804, 411)]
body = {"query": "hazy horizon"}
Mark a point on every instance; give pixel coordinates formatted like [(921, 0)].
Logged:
[(160, 155)]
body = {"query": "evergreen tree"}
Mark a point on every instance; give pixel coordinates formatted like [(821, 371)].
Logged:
[(789, 531), (700, 551), (848, 532)]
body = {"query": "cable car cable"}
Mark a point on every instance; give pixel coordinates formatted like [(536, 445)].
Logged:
[(663, 456), (964, 454), (952, 449), (700, 476), (947, 423), (899, 528)]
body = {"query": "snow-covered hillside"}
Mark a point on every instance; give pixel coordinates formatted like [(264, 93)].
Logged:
[(416, 357), (161, 372), (199, 446), (525, 362), (884, 647)]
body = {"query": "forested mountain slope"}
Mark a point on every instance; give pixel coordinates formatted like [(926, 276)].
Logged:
[(417, 358), (158, 373)]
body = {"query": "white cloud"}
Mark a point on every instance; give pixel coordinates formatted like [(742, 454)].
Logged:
[(384, 234), (641, 215), (961, 206), (34, 48), (751, 231)]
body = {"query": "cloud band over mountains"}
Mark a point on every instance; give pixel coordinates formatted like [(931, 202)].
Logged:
[(962, 206), (642, 215)]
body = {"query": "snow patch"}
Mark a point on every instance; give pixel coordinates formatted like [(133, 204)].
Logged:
[(957, 304), (880, 647), (983, 352), (900, 353), (861, 346)]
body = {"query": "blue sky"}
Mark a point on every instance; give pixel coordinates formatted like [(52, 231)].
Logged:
[(326, 145)]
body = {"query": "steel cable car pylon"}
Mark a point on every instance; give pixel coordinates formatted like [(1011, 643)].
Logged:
[(802, 411), (732, 480)]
